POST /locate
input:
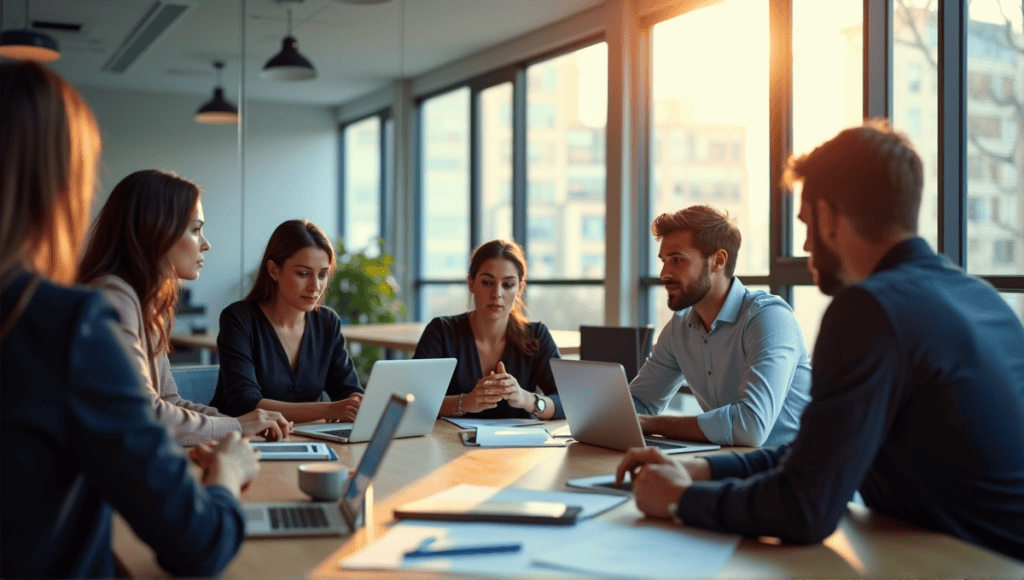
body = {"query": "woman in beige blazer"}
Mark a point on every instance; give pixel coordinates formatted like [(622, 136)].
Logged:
[(148, 237)]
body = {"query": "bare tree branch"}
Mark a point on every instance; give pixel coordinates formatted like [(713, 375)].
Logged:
[(1004, 158), (908, 19)]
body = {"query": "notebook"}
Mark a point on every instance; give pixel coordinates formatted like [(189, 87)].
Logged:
[(599, 408), (329, 518), (425, 379)]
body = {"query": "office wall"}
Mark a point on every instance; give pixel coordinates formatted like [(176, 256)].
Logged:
[(291, 169)]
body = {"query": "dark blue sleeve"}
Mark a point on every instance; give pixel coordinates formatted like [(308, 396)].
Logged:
[(342, 379), (547, 350), (132, 460), (800, 493), (239, 390)]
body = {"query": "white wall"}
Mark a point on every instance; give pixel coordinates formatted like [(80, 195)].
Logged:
[(291, 169)]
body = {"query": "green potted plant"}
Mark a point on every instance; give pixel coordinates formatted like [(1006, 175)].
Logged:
[(364, 291)]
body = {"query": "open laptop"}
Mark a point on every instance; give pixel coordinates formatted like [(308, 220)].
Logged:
[(599, 408), (329, 518), (425, 379)]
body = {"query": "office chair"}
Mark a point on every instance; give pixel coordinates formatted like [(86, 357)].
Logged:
[(627, 345), (196, 383)]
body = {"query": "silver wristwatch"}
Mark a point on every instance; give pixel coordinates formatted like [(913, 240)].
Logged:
[(539, 404), (459, 411)]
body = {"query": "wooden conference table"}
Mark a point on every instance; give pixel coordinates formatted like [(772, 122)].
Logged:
[(401, 336), (866, 544)]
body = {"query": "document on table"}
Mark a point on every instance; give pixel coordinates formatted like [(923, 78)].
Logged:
[(645, 551), (592, 503), (593, 547), (466, 423), (492, 436)]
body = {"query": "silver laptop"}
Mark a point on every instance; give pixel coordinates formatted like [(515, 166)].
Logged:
[(329, 518), (599, 408), (425, 379)]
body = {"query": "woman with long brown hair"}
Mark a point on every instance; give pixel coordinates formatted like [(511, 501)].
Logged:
[(498, 349), (147, 238), (280, 348), (79, 439)]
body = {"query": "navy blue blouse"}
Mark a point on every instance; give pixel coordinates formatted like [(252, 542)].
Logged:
[(254, 365), (452, 336), (79, 439)]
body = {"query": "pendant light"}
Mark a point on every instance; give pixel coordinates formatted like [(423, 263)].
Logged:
[(26, 44), (289, 65), (217, 111)]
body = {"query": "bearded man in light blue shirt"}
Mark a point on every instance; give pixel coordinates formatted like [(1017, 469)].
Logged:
[(740, 351)]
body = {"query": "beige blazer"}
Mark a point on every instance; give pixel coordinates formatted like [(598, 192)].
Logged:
[(190, 423)]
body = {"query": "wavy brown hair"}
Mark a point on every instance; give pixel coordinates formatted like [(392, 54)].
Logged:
[(147, 212), (712, 230), (288, 238), (49, 148), (508, 250)]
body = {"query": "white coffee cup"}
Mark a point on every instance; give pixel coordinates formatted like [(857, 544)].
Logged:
[(324, 481)]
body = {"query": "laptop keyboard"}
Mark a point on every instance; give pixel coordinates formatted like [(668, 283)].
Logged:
[(339, 432), (297, 518), (663, 444)]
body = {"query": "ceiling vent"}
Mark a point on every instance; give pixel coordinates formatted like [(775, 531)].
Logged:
[(160, 17)]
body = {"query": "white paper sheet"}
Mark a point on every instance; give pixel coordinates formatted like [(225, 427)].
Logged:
[(388, 552), (592, 503), (645, 552)]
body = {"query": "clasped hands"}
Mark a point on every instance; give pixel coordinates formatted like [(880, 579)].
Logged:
[(659, 480), (495, 387)]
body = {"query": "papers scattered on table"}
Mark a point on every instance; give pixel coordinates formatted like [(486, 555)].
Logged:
[(466, 423), (497, 436), (590, 547)]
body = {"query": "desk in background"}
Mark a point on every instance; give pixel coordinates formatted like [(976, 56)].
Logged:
[(401, 336), (865, 543)]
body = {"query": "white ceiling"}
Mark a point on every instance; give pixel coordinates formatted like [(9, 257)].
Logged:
[(355, 48)]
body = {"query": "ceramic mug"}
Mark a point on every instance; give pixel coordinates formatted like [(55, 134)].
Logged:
[(323, 481)]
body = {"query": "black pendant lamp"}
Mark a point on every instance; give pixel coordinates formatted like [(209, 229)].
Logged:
[(289, 65), (217, 111), (26, 44)]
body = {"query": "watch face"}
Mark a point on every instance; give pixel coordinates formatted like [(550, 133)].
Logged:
[(541, 404)]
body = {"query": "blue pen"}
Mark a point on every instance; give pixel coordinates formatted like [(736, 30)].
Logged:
[(422, 552)]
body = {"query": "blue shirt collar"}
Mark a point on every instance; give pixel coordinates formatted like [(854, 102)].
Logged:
[(730, 308)]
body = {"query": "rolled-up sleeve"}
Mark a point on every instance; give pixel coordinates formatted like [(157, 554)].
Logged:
[(771, 343)]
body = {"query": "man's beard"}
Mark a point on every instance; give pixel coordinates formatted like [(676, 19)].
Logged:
[(692, 294), (826, 263)]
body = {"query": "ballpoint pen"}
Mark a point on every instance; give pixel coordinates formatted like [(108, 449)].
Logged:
[(422, 550)]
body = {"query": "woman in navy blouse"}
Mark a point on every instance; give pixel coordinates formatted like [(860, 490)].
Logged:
[(504, 365), (280, 349), (79, 435)]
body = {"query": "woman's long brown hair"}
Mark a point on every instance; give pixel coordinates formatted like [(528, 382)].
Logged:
[(147, 212), (515, 331), (49, 149)]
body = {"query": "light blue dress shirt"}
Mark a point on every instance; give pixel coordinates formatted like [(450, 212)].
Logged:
[(750, 374)]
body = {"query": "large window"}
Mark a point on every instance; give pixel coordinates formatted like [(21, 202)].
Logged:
[(995, 115), (469, 197), (445, 209), (363, 185), (565, 203)]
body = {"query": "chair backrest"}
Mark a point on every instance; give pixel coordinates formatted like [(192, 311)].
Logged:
[(627, 345), (196, 383)]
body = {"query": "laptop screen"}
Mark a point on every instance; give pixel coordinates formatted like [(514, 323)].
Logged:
[(374, 454)]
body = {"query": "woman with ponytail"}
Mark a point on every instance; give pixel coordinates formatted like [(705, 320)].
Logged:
[(504, 365)]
